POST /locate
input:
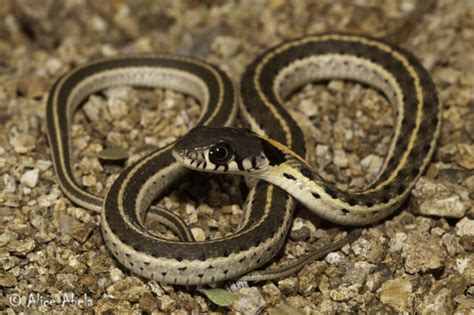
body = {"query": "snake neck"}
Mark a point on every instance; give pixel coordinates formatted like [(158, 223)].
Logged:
[(301, 181), (293, 175)]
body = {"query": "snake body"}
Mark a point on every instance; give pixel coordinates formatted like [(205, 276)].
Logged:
[(274, 150)]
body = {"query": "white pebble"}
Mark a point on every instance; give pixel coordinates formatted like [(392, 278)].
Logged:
[(89, 180), (371, 164), (198, 234), (190, 209), (336, 85), (334, 258), (226, 46), (23, 143), (53, 65), (397, 242), (297, 224), (30, 178), (43, 165), (462, 264), (321, 149), (340, 159), (309, 108), (248, 301), (116, 274), (73, 262), (9, 183), (117, 108)]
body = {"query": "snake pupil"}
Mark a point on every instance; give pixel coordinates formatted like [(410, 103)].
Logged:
[(220, 153)]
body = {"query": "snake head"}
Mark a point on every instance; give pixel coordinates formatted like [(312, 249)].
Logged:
[(221, 150)]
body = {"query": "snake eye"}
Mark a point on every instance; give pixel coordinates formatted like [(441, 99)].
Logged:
[(220, 153)]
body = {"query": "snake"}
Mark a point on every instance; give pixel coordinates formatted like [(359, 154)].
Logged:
[(272, 149)]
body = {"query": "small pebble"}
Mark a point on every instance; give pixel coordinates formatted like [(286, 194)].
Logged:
[(463, 263), (8, 262), (122, 93), (89, 181), (148, 302), (465, 156), (23, 143), (167, 304), (452, 244), (335, 258), (53, 65), (198, 234), (7, 280), (288, 286), (226, 46), (116, 274), (9, 184), (308, 108), (398, 294), (33, 86), (30, 178), (43, 165), (465, 227), (423, 252), (340, 159), (345, 292), (322, 150), (440, 199), (336, 85), (271, 293), (117, 108), (7, 236), (361, 247), (93, 108), (440, 302), (299, 231), (129, 289), (248, 301), (371, 164), (22, 247)]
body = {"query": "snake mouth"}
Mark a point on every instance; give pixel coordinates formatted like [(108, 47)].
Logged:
[(178, 156), (181, 150), (190, 158), (183, 156)]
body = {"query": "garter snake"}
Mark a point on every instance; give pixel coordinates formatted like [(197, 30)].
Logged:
[(275, 152)]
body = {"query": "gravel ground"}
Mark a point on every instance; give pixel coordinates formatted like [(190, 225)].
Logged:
[(53, 259)]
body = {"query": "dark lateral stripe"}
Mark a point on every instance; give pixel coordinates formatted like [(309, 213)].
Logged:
[(254, 162), (307, 173), (274, 155)]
